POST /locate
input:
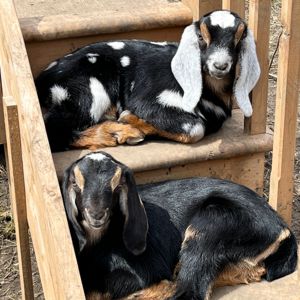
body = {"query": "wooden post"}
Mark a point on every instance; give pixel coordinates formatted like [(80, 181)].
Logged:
[(17, 194), (281, 183), (2, 129), (259, 23), (201, 7), (237, 6)]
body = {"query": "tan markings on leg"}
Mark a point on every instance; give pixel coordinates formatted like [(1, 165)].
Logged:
[(114, 182), (108, 134), (79, 178), (176, 270), (242, 272), (190, 234), (208, 293), (97, 296), (160, 291), (285, 233), (149, 129), (205, 33), (239, 33)]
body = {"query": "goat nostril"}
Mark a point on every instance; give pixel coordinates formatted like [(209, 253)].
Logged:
[(221, 67)]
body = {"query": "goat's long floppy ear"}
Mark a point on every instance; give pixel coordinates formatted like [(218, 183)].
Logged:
[(136, 223), (69, 196), (186, 68), (247, 75)]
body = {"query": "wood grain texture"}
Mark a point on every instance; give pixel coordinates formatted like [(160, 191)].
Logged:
[(201, 7), (45, 211), (259, 17), (135, 16), (281, 182), (17, 195), (57, 48), (2, 128), (238, 6)]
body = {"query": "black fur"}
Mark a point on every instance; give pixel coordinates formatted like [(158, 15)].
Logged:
[(233, 224), (149, 70)]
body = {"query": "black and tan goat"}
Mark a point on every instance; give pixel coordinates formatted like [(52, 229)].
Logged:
[(111, 93), (207, 231)]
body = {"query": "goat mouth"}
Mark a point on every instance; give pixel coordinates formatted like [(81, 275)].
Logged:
[(96, 223)]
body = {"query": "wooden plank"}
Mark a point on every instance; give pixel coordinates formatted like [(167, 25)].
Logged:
[(54, 49), (259, 17), (2, 127), (17, 195), (237, 6), (202, 7), (281, 182), (247, 170), (46, 215)]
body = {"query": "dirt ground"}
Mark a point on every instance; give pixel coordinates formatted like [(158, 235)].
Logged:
[(9, 280)]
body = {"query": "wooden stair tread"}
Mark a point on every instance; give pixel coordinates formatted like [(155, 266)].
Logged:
[(230, 141), (92, 17)]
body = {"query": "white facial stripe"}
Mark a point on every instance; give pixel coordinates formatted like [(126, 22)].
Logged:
[(125, 61), (116, 45), (173, 99), (222, 18), (220, 56), (59, 94), (72, 196), (54, 63), (211, 106), (159, 43), (101, 100), (97, 156)]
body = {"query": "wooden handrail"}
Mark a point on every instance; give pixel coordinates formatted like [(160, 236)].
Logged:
[(45, 211)]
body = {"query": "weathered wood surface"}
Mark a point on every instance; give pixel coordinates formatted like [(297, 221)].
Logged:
[(45, 212), (259, 22), (229, 142), (2, 128), (17, 195), (281, 182), (238, 6), (201, 7)]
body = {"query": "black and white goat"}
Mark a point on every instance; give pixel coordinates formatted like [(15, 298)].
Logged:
[(130, 89), (207, 231)]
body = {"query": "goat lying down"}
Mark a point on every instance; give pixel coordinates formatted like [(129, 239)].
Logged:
[(118, 92), (204, 231)]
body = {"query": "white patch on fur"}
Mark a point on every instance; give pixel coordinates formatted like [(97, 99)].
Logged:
[(92, 57), (72, 196), (215, 108), (101, 101), (97, 156), (51, 65), (69, 55), (222, 18), (125, 61), (187, 127), (58, 94), (132, 86), (219, 56), (173, 99), (116, 45), (250, 72), (186, 68), (159, 43), (197, 131)]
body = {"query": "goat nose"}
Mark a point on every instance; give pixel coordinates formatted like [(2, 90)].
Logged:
[(220, 66)]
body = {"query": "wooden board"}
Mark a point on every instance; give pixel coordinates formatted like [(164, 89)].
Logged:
[(2, 128), (46, 217), (281, 182), (17, 195), (238, 6), (201, 7), (259, 17)]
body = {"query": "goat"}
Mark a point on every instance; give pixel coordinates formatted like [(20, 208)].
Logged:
[(117, 92), (207, 231)]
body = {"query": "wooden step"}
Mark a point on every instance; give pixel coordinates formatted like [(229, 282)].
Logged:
[(154, 161), (68, 26)]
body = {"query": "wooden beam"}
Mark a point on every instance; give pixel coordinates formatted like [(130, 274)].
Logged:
[(259, 17), (281, 182), (45, 210), (201, 7), (237, 6), (17, 195), (2, 127)]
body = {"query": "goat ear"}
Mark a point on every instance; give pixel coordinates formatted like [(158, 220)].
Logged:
[(136, 223), (186, 68), (69, 196), (247, 74)]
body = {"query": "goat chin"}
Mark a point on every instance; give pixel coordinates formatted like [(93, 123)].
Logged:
[(94, 235)]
